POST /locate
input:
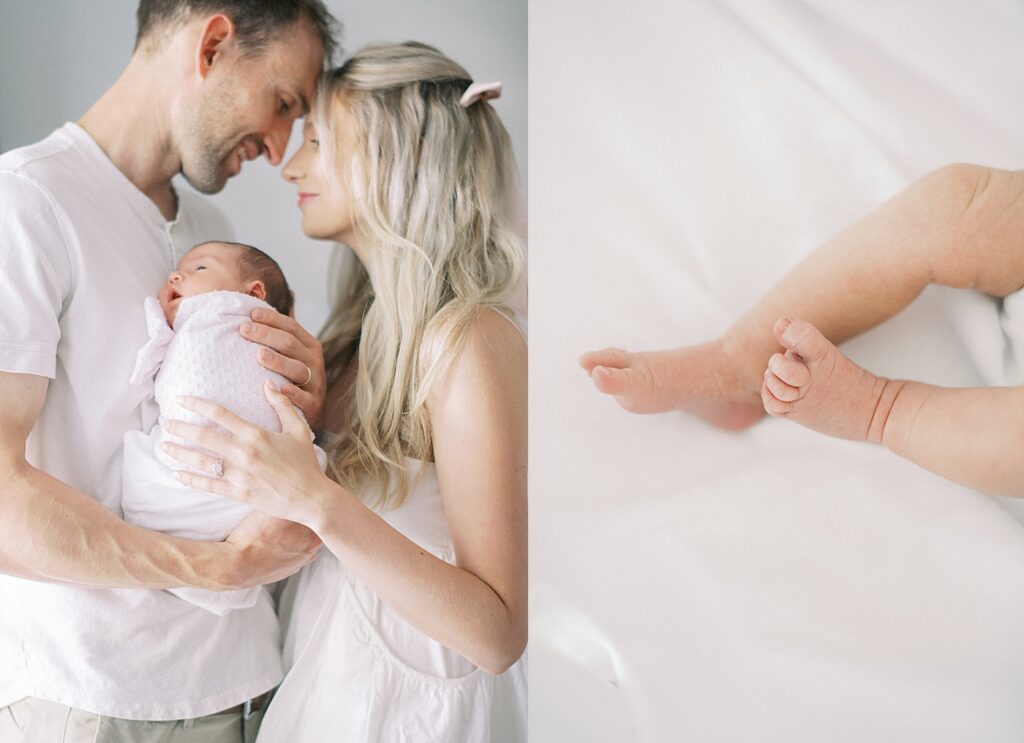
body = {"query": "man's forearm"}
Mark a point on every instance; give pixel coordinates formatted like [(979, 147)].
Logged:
[(51, 532), (969, 435)]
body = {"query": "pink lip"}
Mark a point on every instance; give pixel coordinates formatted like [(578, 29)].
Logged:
[(304, 197)]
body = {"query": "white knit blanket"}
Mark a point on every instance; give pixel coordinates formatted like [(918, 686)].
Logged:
[(204, 356)]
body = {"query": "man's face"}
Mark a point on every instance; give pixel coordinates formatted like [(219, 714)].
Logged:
[(246, 107)]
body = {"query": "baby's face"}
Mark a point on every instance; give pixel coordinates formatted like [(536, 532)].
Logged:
[(205, 268)]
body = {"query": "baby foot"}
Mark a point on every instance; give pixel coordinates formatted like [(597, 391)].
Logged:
[(697, 379), (815, 385)]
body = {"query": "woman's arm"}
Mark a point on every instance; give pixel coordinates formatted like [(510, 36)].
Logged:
[(476, 607), (478, 417)]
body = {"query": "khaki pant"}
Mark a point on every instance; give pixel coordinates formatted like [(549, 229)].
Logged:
[(37, 721)]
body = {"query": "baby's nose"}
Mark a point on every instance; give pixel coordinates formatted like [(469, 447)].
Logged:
[(175, 277)]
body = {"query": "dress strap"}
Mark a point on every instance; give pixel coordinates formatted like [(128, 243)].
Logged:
[(519, 323)]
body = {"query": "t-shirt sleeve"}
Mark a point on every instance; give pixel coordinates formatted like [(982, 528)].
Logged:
[(35, 277)]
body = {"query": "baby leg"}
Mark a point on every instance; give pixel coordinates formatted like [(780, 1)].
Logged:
[(959, 226), (968, 435)]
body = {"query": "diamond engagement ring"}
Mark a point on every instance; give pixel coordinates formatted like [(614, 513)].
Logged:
[(218, 467), (309, 378)]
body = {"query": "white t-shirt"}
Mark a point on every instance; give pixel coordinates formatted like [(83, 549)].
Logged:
[(80, 249)]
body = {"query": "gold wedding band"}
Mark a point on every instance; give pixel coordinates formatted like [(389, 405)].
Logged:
[(308, 379)]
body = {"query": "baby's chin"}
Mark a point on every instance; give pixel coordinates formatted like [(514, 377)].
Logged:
[(170, 313), (170, 309)]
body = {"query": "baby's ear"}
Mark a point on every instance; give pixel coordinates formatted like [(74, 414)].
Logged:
[(257, 289)]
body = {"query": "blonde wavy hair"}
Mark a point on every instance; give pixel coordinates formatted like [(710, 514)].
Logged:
[(431, 183)]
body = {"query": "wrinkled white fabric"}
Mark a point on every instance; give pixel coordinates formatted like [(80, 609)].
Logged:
[(1012, 320), (204, 356), (357, 672)]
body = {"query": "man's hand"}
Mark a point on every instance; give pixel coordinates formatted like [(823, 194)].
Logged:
[(295, 354), (269, 549)]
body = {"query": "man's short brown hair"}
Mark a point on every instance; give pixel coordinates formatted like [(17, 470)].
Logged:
[(257, 22)]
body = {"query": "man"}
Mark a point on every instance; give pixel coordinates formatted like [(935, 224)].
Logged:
[(89, 226)]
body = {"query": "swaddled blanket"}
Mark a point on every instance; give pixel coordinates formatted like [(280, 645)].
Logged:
[(204, 356)]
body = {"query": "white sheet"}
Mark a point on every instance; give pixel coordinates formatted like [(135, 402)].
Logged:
[(776, 585)]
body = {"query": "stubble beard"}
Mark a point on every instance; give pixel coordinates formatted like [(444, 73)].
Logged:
[(205, 150), (206, 169)]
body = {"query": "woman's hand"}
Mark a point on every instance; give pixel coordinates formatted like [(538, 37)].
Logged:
[(277, 473), (294, 354)]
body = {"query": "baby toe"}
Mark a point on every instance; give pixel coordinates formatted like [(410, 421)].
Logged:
[(607, 357), (802, 338), (610, 381), (772, 405), (779, 389), (789, 369), (589, 360)]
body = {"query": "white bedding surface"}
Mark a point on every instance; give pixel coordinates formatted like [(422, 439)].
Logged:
[(776, 585)]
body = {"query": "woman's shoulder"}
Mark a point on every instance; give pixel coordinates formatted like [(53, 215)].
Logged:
[(497, 323), (492, 336), (491, 354)]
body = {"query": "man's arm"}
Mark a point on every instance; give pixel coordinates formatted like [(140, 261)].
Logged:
[(51, 532)]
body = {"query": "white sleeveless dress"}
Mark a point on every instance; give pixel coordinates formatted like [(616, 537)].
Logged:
[(356, 672)]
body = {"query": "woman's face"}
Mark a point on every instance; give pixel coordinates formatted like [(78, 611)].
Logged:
[(326, 202)]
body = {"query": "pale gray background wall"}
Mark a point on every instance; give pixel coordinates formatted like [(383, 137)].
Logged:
[(57, 57)]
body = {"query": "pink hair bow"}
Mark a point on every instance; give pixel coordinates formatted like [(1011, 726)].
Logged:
[(480, 91)]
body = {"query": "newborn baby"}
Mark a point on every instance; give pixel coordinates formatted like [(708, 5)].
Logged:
[(195, 348)]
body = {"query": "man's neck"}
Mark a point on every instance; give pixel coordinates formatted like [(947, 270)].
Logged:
[(130, 124)]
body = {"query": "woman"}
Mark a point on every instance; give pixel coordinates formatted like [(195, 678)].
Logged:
[(410, 625)]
